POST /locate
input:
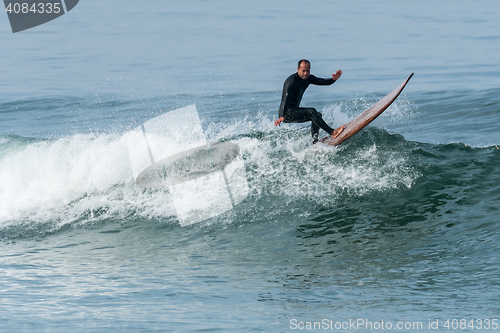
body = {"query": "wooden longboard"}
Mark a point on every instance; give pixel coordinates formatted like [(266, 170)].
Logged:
[(358, 123)]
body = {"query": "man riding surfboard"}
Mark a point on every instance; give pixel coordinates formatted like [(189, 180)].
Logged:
[(293, 90)]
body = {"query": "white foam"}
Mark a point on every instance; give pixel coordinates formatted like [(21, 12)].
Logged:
[(68, 178), (88, 177), (294, 169)]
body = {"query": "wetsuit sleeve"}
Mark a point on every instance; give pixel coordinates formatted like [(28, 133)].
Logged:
[(285, 98), (319, 81)]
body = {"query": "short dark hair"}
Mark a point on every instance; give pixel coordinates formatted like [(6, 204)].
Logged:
[(303, 60)]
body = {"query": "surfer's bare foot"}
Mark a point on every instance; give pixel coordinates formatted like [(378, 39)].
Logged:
[(337, 131)]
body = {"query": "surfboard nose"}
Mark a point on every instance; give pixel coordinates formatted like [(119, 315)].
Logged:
[(358, 123)]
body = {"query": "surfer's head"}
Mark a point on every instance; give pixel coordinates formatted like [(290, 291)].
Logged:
[(304, 69)]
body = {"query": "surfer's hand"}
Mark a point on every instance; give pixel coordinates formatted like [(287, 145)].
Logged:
[(337, 75), (278, 122)]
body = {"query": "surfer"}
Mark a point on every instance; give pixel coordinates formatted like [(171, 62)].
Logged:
[(293, 89)]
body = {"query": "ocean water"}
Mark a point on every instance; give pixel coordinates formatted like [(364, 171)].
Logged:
[(395, 230)]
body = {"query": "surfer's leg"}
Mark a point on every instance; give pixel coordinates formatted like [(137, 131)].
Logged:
[(300, 115), (315, 129), (318, 122), (296, 115)]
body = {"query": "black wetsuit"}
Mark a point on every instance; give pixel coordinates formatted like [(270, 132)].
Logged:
[(293, 89)]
